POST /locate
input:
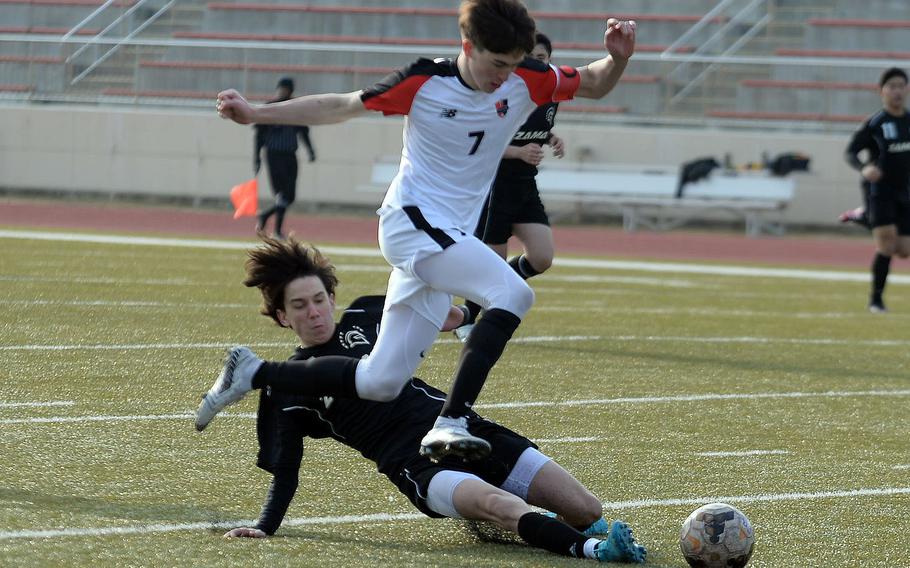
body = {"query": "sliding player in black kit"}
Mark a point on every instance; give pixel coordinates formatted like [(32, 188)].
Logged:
[(514, 206), (298, 290), (885, 138)]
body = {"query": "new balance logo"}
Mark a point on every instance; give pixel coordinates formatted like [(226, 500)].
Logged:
[(448, 113)]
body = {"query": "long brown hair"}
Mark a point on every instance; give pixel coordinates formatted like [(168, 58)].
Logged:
[(275, 264)]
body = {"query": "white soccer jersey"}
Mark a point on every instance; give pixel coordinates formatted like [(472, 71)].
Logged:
[(454, 136)]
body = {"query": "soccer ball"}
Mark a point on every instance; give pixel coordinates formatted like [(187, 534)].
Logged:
[(717, 535)]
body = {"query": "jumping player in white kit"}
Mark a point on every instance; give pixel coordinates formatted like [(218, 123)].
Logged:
[(461, 116)]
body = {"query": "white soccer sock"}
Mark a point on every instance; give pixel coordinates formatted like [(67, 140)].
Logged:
[(589, 547)]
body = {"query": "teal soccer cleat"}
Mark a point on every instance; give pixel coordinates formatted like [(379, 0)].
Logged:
[(620, 546)]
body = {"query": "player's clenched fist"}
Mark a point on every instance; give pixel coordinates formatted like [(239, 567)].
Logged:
[(619, 39), (233, 106)]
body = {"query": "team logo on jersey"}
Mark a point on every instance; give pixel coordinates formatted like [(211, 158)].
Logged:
[(353, 337), (448, 112), (502, 107), (551, 115)]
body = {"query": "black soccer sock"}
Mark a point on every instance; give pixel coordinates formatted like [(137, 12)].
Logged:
[(880, 267), (551, 534), (473, 311), (522, 267), (320, 376), (483, 348), (279, 218), (263, 217)]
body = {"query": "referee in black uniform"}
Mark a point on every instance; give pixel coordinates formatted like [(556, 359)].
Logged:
[(280, 143), (885, 138)]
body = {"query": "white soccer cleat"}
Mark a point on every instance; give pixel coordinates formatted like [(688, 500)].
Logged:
[(235, 380), (463, 332), (450, 436)]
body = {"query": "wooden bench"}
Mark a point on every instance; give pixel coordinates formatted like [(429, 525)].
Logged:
[(646, 197)]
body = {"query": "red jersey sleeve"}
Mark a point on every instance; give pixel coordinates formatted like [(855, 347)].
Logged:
[(548, 83), (395, 93)]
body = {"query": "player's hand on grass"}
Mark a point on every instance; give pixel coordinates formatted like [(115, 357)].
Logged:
[(619, 39), (245, 532), (558, 146), (871, 173), (531, 154), (231, 105)]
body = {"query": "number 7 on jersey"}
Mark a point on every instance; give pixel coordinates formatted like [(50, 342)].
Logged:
[(478, 134)]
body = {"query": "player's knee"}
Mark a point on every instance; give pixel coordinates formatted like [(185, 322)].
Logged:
[(586, 511), (379, 386), (522, 299), (540, 261)]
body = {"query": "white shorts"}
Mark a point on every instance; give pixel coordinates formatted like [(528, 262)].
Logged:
[(466, 268), (403, 245), (442, 487)]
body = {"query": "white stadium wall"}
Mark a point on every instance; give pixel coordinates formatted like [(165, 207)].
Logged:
[(197, 155)]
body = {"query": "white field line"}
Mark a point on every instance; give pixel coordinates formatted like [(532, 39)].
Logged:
[(517, 340), (761, 498), (36, 404), (390, 517), (510, 405), (373, 252), (742, 454), (902, 466), (605, 306), (117, 418), (165, 528), (697, 398), (567, 440)]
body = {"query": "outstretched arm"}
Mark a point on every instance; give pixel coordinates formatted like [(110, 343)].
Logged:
[(599, 78), (327, 108)]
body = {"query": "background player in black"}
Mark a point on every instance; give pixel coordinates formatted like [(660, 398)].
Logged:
[(514, 206), (297, 285), (885, 138), (280, 143)]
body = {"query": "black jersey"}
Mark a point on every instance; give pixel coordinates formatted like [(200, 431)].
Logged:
[(387, 433), (887, 140), (536, 130)]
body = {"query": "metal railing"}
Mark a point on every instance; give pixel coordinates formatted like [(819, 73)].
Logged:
[(125, 17)]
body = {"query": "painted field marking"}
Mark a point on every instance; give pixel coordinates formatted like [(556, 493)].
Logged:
[(508, 405), (698, 398), (117, 418), (567, 440), (514, 341), (760, 498), (36, 404), (743, 453), (902, 466), (373, 252), (390, 517)]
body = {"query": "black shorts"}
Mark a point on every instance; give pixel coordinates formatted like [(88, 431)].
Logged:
[(889, 209), (506, 447), (511, 202)]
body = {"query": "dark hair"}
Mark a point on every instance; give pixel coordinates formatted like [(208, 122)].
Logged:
[(287, 83), (500, 26), (891, 73), (275, 264), (541, 39)]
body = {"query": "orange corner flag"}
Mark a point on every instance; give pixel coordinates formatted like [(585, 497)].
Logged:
[(245, 198)]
